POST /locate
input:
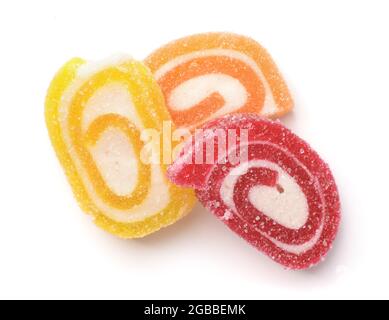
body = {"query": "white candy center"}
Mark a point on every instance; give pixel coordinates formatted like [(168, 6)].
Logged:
[(195, 90), (287, 204), (112, 98), (287, 207), (116, 161)]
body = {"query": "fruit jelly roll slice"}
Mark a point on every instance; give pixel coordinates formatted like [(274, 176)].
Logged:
[(280, 196), (208, 75), (95, 113)]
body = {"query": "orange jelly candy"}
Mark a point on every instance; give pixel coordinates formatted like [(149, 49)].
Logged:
[(96, 114), (209, 75)]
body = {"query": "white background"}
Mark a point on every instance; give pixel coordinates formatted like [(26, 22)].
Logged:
[(334, 56)]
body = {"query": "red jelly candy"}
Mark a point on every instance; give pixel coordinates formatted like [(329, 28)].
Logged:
[(265, 184)]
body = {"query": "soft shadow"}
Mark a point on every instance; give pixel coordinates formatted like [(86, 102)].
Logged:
[(173, 232), (290, 120)]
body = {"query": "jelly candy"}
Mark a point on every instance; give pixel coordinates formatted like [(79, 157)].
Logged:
[(95, 114), (209, 75), (268, 186)]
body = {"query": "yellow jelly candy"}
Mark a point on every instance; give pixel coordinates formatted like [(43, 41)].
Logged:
[(96, 115)]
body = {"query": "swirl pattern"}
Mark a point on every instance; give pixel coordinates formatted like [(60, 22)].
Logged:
[(281, 198), (95, 114), (209, 75)]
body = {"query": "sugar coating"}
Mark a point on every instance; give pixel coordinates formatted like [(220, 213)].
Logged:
[(95, 113), (209, 75), (283, 199)]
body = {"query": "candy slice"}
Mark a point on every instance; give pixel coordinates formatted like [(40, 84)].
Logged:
[(209, 75), (95, 114), (264, 183)]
